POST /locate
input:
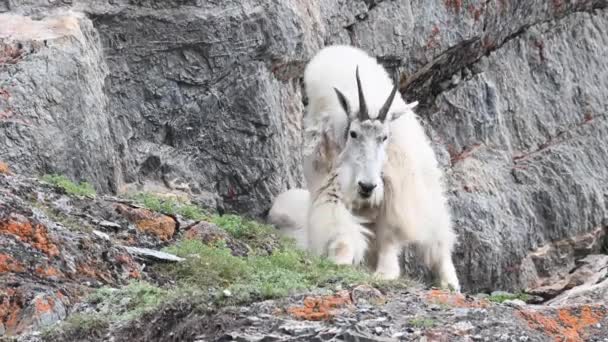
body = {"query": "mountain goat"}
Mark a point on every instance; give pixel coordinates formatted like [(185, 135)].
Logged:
[(370, 171)]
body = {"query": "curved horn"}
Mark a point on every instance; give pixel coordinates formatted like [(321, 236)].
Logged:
[(387, 104), (343, 101), (363, 115)]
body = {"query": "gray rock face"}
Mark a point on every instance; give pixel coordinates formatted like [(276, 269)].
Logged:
[(205, 96), (53, 115)]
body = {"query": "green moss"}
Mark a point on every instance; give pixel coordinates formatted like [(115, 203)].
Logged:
[(169, 206), (205, 265), (241, 228), (499, 298), (259, 237), (285, 271), (422, 322), (71, 188)]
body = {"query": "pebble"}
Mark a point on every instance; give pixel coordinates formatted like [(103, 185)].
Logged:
[(463, 328), (514, 303)]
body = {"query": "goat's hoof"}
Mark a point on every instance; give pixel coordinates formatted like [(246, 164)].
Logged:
[(451, 286)]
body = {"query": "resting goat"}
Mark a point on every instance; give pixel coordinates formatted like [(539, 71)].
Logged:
[(368, 164)]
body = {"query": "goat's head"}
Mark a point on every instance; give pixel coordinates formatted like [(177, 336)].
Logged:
[(364, 151)]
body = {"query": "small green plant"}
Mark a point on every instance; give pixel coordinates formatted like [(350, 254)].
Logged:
[(77, 326), (241, 228), (422, 323), (170, 206), (71, 188), (258, 236), (130, 301), (499, 298)]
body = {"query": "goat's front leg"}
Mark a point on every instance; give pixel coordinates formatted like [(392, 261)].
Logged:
[(447, 272), (387, 266), (439, 258), (335, 232)]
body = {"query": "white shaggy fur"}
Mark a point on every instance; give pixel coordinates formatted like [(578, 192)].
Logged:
[(344, 151), (289, 213)]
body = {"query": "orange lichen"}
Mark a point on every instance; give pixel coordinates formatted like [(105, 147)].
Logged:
[(93, 272), (86, 270), (454, 299), (567, 326), (4, 169), (129, 265), (10, 309), (134, 274), (163, 227), (149, 222), (35, 235), (124, 259), (8, 264), (43, 305), (320, 308), (48, 272)]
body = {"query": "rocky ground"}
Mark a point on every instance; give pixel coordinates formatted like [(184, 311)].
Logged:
[(76, 266), (164, 95)]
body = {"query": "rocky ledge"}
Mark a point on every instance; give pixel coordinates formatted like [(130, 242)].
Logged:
[(154, 267)]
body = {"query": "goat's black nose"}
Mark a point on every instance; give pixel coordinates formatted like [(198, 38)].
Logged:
[(366, 187)]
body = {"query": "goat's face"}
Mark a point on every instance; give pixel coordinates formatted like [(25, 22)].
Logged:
[(364, 153), (362, 159)]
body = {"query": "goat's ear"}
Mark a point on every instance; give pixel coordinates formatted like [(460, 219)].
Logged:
[(398, 113), (343, 102)]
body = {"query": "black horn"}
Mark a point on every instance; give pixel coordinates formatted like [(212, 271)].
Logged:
[(363, 115), (387, 104)]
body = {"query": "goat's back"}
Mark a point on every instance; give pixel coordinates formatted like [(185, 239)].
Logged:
[(334, 67)]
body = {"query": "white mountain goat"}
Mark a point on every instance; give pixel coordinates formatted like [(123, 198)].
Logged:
[(369, 167)]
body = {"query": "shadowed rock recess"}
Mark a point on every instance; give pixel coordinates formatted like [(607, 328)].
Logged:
[(205, 97)]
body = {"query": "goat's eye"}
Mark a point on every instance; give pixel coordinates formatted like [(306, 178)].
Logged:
[(384, 138), (353, 134)]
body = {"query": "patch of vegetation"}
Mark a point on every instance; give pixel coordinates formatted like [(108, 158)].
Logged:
[(499, 298), (170, 206), (77, 326), (422, 323), (258, 236), (130, 301), (67, 221), (71, 188), (286, 271), (211, 277)]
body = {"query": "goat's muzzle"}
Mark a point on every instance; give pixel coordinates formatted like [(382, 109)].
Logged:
[(366, 189)]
